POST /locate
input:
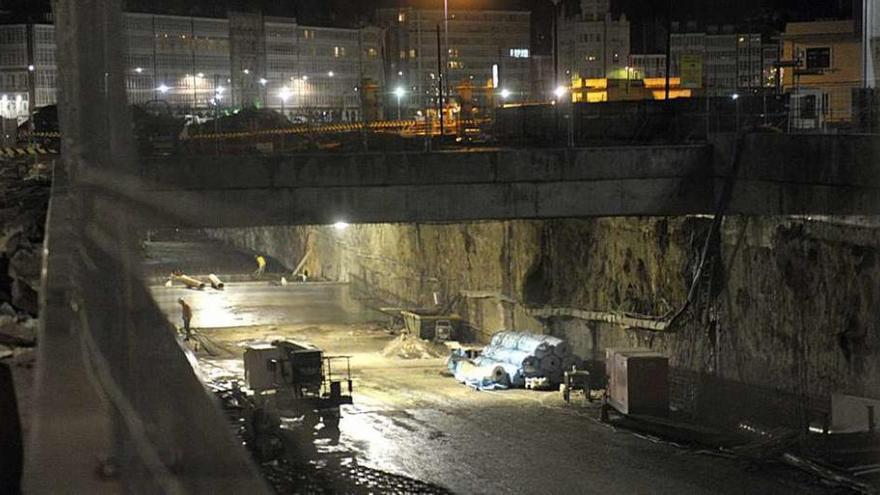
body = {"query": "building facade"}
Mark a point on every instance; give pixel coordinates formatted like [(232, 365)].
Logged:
[(829, 66), (27, 67), (732, 62), (649, 65), (592, 44), (319, 70), (199, 65), (488, 53)]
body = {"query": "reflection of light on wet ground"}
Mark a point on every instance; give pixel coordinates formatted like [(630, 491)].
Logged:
[(363, 433), (219, 370), (261, 303)]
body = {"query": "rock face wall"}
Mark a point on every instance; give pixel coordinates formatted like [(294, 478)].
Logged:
[(785, 314)]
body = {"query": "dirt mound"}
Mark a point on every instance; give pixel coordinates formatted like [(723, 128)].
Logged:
[(408, 347)]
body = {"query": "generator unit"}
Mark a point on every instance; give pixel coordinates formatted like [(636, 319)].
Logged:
[(638, 383), (295, 378)]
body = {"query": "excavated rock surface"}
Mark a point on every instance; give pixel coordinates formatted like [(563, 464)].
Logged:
[(785, 313)]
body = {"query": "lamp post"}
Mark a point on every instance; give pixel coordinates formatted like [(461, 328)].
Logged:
[(263, 82), (555, 41), (284, 94), (560, 93), (446, 42), (399, 92), (735, 98)]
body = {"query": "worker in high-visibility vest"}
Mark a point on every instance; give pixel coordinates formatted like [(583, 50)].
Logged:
[(261, 266), (186, 314)]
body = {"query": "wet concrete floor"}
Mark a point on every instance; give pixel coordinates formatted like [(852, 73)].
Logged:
[(409, 418)]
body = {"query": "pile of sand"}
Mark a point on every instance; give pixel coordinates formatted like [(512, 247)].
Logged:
[(407, 346)]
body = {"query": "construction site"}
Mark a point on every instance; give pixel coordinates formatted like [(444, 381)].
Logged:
[(484, 295), (374, 294)]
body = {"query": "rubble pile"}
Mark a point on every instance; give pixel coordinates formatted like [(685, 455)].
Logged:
[(407, 346), (17, 330), (24, 199)]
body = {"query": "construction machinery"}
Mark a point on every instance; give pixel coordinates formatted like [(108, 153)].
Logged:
[(293, 381), (296, 379)]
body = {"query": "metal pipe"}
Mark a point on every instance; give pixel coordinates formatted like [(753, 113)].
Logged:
[(189, 281), (668, 44), (446, 38), (302, 262), (215, 281)]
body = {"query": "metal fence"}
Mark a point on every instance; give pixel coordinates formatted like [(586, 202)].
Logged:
[(633, 122)]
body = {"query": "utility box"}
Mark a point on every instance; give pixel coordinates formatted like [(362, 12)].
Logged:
[(611, 351), (639, 383), (258, 374), (850, 414)]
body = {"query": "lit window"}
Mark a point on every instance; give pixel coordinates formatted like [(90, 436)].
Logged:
[(338, 51), (519, 52), (309, 34), (371, 52), (401, 17), (412, 53)]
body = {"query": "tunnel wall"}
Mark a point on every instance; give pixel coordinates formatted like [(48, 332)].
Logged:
[(788, 316)]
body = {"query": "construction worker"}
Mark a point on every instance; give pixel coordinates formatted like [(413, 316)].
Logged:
[(261, 265), (186, 313)]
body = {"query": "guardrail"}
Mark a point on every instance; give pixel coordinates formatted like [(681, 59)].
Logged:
[(411, 127), (113, 369)]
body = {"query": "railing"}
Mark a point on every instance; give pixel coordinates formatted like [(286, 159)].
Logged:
[(166, 433), (118, 406)]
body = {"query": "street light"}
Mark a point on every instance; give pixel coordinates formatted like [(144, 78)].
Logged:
[(263, 81), (284, 94), (163, 88), (559, 92), (505, 93), (399, 92), (331, 74)]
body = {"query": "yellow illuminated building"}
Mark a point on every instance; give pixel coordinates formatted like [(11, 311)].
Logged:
[(829, 54), (602, 89)]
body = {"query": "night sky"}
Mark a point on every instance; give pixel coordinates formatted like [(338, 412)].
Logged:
[(646, 15)]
